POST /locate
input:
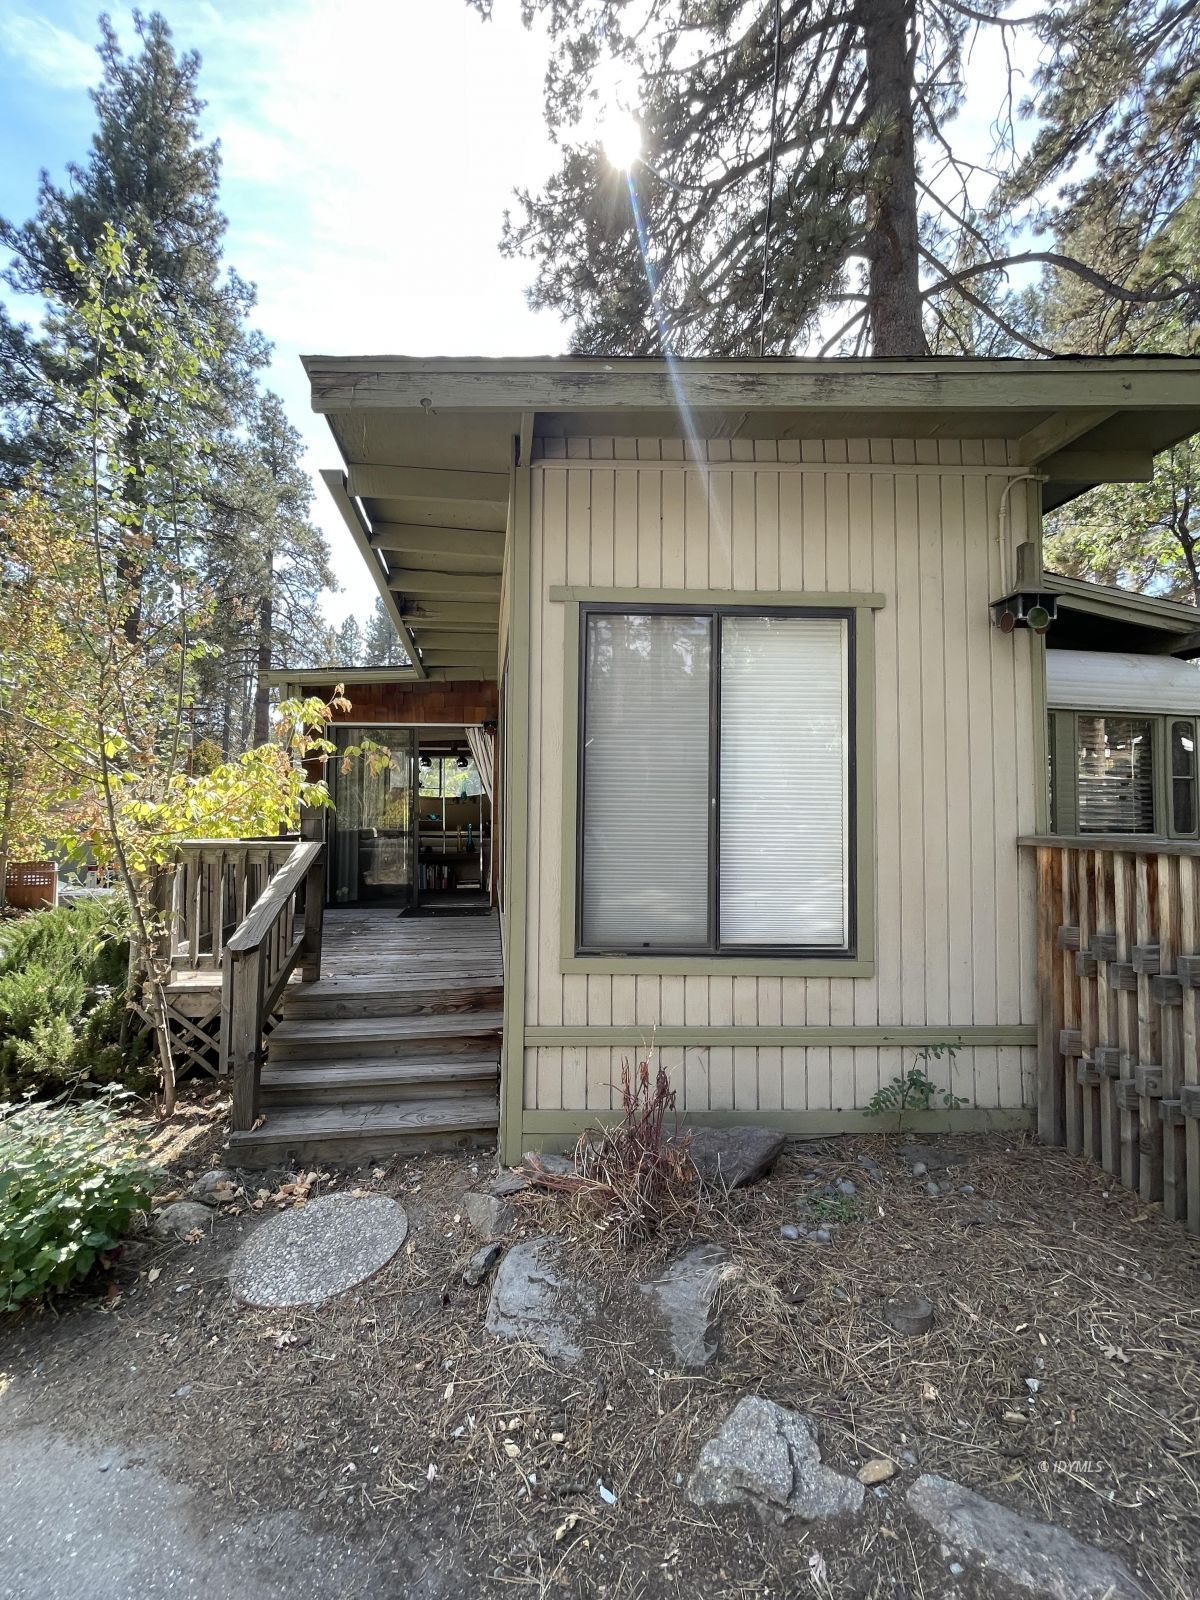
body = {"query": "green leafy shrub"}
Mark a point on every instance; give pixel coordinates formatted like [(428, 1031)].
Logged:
[(63, 990), (72, 1178), (915, 1090)]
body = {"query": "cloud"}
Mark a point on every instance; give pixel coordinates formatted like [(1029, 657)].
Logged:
[(53, 54)]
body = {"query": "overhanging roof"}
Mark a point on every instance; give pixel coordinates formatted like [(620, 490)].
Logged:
[(428, 444), (1083, 680)]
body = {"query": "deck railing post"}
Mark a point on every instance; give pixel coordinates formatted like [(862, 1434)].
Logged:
[(314, 920), (241, 1005)]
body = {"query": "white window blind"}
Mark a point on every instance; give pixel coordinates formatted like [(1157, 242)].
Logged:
[(784, 832), (646, 781), (1116, 775)]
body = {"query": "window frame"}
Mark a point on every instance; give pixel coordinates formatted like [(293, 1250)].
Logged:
[(1064, 747), (856, 959)]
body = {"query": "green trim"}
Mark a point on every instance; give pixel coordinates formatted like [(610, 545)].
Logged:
[(861, 964), (964, 1036), (713, 966), (546, 1129), (512, 1054), (766, 598)]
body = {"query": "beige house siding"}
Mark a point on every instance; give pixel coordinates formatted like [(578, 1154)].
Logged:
[(957, 764)]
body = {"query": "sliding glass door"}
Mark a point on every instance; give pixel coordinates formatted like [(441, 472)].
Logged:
[(373, 832)]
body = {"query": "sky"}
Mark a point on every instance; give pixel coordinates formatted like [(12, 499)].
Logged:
[(369, 150)]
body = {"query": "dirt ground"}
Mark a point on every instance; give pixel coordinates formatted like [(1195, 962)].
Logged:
[(1062, 1377)]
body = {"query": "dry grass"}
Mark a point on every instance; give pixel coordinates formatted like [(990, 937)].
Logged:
[(344, 1411)]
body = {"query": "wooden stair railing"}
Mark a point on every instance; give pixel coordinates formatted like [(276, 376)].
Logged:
[(258, 959)]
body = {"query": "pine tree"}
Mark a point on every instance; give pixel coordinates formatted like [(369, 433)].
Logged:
[(381, 645), (799, 183)]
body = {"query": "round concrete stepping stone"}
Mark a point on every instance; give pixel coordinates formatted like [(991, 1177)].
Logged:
[(321, 1249)]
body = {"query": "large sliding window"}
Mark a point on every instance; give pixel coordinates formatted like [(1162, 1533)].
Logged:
[(716, 782)]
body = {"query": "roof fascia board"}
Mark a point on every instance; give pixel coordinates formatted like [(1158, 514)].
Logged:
[(351, 383)]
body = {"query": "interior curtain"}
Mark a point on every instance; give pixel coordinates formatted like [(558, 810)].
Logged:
[(483, 748)]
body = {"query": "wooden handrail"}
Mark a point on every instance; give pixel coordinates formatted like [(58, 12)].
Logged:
[(258, 959), (257, 922)]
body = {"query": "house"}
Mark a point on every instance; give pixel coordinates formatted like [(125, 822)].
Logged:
[(775, 716)]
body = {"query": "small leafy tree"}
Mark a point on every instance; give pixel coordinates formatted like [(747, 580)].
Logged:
[(114, 550)]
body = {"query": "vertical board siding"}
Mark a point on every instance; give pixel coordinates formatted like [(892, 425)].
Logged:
[(955, 757)]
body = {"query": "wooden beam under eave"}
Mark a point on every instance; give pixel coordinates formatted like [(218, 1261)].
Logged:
[(356, 524), (372, 482), (462, 585), (1099, 466), (435, 611), (467, 644), (1058, 431), (482, 660), (433, 540)]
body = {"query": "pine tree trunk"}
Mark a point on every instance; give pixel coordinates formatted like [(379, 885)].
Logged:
[(262, 689), (894, 307)]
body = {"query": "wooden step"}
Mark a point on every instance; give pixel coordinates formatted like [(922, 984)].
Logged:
[(392, 997), (344, 1038), (366, 1131), (300, 1081)]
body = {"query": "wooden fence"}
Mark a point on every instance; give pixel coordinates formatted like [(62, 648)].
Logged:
[(30, 885), (1119, 1010)]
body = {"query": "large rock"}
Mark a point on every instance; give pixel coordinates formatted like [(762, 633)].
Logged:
[(727, 1158), (180, 1220), (684, 1296), (766, 1457), (304, 1256), (1033, 1555), (531, 1300)]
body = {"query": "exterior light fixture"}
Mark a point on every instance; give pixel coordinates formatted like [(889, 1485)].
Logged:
[(1034, 609)]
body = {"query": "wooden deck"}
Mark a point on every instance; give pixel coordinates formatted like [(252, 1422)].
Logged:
[(395, 1047)]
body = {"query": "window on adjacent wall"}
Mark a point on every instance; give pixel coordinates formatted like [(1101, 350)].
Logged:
[(1122, 772), (716, 781)]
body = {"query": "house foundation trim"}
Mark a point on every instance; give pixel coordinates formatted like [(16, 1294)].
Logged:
[(559, 1129), (884, 1037)]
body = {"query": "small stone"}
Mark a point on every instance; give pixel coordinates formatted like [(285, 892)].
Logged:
[(181, 1218), (846, 1188), (821, 1235), (220, 1184), (911, 1317), (546, 1161), (685, 1298), (789, 1231), (507, 1185), (932, 1188), (877, 1471), (481, 1263), (909, 1457), (919, 1169), (957, 1569), (967, 1189), (1035, 1556), (766, 1457), (813, 1177), (530, 1300), (488, 1215), (729, 1158)]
